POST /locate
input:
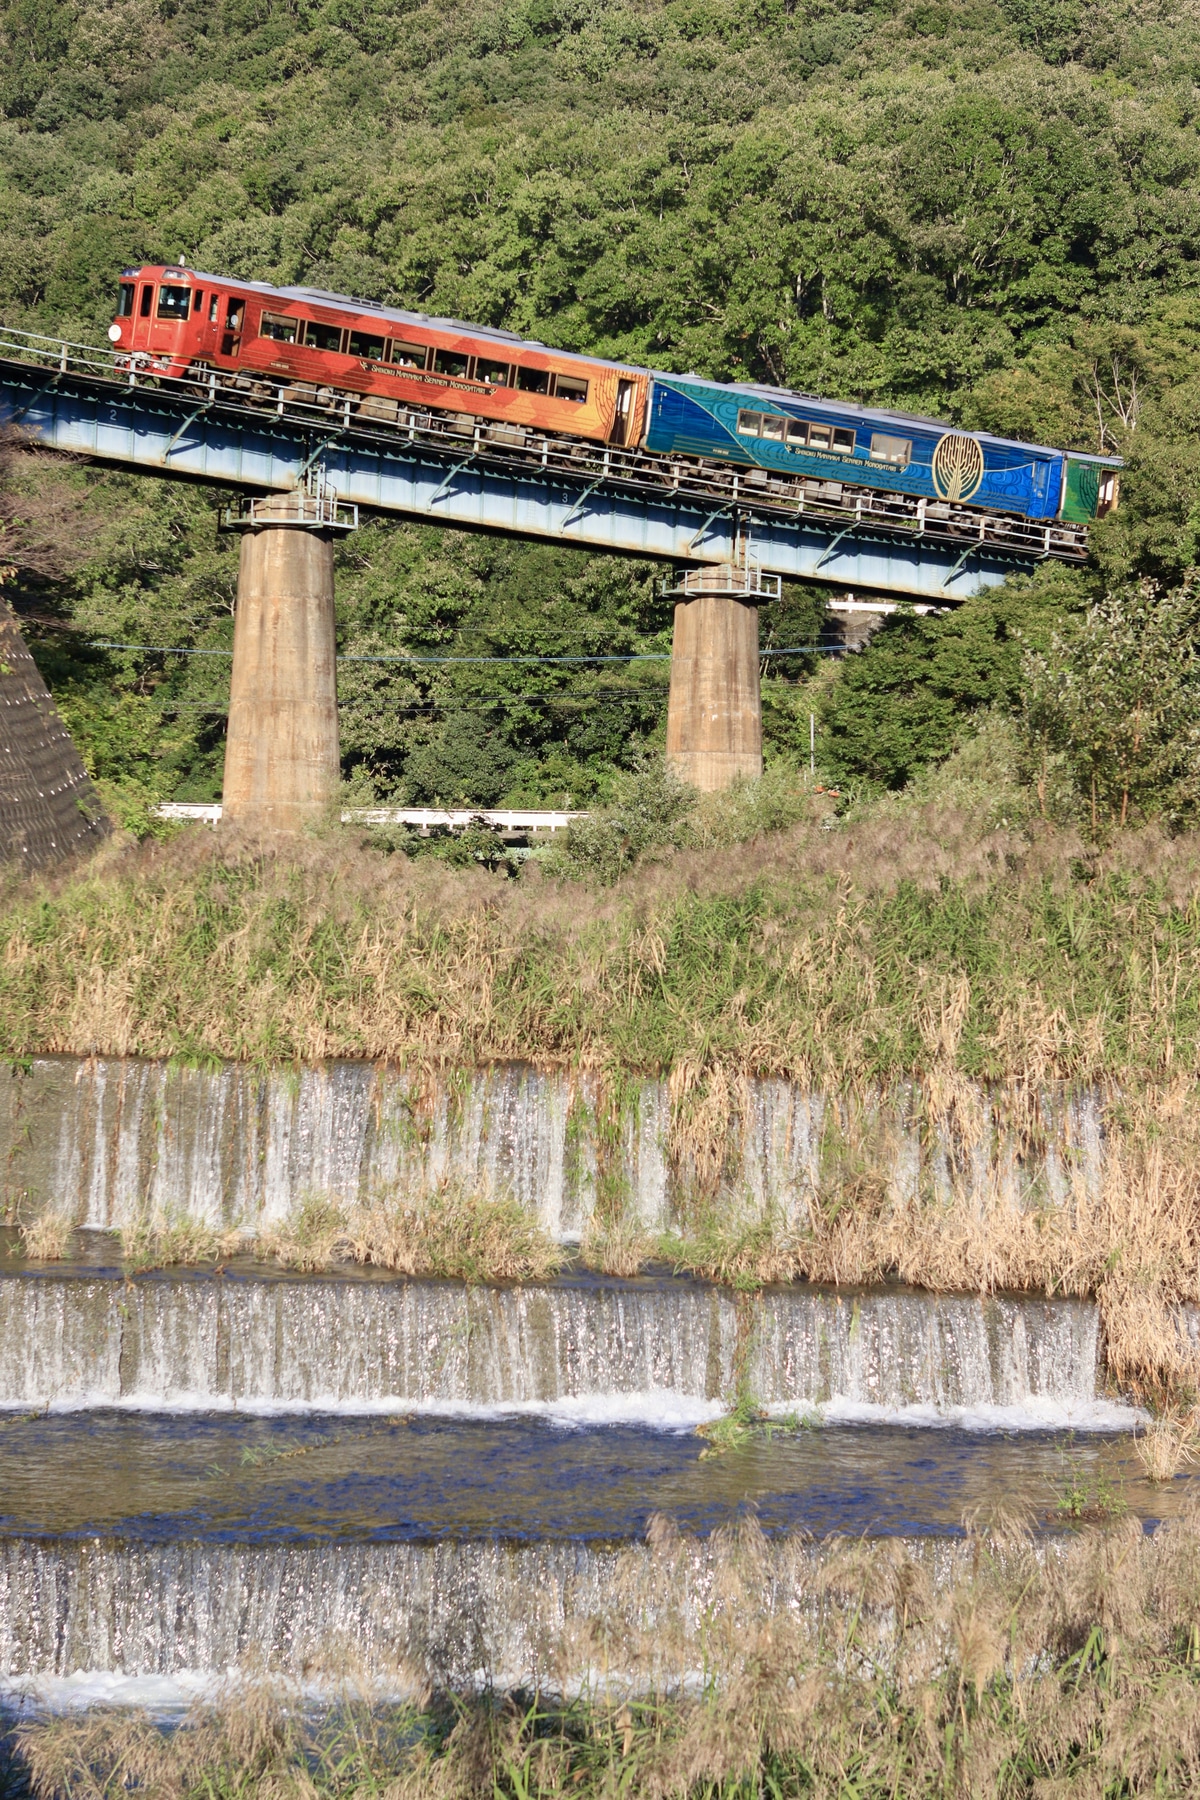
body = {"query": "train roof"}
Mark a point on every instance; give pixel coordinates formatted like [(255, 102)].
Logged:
[(355, 304), (493, 334), (879, 415)]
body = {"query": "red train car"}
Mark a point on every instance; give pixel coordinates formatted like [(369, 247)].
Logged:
[(176, 321)]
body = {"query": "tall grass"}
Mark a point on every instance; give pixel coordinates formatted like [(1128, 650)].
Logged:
[(854, 955), (757, 1669), (447, 1231)]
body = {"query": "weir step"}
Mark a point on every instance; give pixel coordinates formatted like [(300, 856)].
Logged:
[(664, 1350)]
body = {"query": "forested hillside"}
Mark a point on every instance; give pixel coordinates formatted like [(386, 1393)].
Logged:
[(989, 212)]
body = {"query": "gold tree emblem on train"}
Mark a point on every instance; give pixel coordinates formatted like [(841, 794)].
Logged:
[(957, 466)]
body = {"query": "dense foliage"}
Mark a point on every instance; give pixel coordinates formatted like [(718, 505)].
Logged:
[(985, 211)]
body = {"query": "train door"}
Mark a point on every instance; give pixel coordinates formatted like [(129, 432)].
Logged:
[(145, 315), (206, 321), (234, 317), (620, 426)]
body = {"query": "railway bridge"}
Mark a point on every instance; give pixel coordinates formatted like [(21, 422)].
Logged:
[(307, 472)]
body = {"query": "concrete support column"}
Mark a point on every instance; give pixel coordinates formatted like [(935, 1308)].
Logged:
[(282, 764), (714, 712)]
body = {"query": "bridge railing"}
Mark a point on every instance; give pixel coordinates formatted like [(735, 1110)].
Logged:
[(376, 421), (424, 820)]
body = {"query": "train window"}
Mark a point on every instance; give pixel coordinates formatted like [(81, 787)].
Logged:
[(174, 302), (125, 301), (772, 426), (283, 330), (147, 301), (496, 374), (362, 344), (749, 423), (797, 432), (818, 437), (569, 387), (322, 337), (890, 449), (449, 362), (214, 307), (197, 303), (409, 356), (533, 381), (843, 440)]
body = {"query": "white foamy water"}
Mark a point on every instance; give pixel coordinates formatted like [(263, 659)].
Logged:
[(668, 1353), (1034, 1415)]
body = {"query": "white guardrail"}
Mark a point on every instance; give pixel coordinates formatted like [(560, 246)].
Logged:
[(424, 819)]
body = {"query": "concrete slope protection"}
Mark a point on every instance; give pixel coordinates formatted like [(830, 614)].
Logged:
[(49, 809)]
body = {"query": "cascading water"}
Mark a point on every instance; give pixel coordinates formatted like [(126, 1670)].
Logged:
[(132, 1572), (667, 1350), (459, 1614), (105, 1141)]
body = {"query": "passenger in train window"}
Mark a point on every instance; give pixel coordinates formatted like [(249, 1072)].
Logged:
[(364, 345), (495, 374), (408, 356), (283, 330), (322, 337), (450, 362), (214, 307), (569, 387), (533, 381)]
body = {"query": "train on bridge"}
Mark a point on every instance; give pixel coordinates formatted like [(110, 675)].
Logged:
[(392, 367)]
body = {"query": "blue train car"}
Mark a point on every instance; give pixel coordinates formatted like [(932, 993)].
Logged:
[(789, 434)]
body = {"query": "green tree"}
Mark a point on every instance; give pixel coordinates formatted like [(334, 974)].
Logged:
[(1119, 698), (904, 701)]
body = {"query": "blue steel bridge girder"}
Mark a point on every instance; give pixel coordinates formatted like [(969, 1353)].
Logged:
[(167, 432)]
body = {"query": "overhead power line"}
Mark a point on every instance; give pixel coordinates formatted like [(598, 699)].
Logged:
[(441, 661)]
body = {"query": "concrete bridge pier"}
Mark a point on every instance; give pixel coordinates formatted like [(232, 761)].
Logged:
[(282, 764), (714, 709)]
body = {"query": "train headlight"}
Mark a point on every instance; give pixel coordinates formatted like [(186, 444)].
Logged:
[(114, 334)]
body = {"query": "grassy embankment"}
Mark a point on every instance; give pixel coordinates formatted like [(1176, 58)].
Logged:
[(1027, 1674), (913, 945)]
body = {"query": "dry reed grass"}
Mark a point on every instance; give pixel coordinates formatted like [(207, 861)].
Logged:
[(447, 1231), (1167, 1444), (158, 1240), (47, 1239), (617, 1247), (736, 1667), (816, 955)]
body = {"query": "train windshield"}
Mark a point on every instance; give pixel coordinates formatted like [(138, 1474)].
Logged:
[(174, 302)]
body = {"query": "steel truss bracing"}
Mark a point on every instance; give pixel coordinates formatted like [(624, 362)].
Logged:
[(449, 470)]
